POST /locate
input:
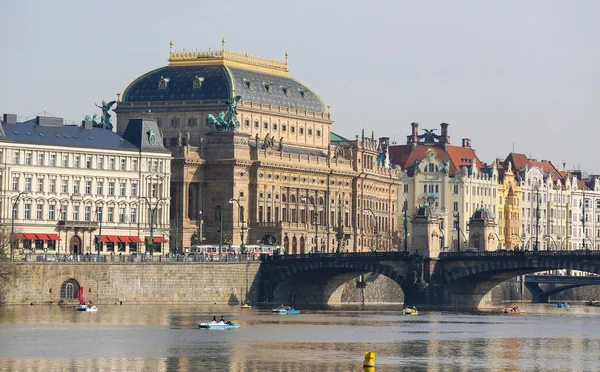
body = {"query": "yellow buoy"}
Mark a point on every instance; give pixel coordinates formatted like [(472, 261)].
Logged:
[(369, 359)]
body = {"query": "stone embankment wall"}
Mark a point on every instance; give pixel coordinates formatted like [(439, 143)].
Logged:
[(144, 283)]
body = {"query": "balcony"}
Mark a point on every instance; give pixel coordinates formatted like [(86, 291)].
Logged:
[(276, 225), (428, 195)]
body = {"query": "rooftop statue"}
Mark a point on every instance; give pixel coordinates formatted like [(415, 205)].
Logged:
[(231, 124), (105, 119), (94, 120), (429, 136)]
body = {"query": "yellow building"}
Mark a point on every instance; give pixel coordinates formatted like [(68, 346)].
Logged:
[(509, 221)]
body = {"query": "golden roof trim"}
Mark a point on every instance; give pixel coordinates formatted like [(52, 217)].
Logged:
[(201, 57)]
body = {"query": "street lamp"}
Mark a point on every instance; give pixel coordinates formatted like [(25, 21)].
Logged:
[(12, 236), (152, 213), (241, 218), (405, 212), (554, 241), (537, 217), (375, 224), (456, 216)]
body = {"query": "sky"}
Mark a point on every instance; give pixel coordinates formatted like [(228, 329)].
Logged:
[(509, 74)]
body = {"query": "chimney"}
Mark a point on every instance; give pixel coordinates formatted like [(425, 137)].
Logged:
[(87, 124), (466, 143), (415, 134), (10, 119), (444, 139)]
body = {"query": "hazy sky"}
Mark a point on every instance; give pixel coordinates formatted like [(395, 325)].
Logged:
[(502, 73)]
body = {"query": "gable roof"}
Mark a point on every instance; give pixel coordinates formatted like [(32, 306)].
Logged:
[(457, 156)]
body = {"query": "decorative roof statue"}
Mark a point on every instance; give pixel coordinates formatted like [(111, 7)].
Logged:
[(188, 137), (416, 164), (446, 167), (280, 147), (94, 120), (105, 120), (231, 124), (429, 136)]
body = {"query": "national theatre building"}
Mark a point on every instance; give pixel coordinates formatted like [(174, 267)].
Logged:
[(255, 158)]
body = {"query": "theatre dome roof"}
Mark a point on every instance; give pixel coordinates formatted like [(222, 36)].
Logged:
[(222, 74)]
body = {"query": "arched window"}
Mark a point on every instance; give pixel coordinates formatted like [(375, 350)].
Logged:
[(69, 288), (283, 198), (218, 211), (292, 198), (321, 201)]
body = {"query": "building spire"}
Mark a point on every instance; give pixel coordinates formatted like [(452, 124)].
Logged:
[(170, 48), (223, 44)]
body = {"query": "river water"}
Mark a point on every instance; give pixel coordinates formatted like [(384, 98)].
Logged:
[(166, 338)]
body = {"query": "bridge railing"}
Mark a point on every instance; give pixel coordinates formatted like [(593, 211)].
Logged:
[(140, 258), (323, 256), (508, 253)]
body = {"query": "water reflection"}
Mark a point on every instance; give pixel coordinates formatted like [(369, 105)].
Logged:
[(166, 338)]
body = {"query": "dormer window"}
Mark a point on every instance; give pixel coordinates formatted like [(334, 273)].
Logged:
[(197, 83), (249, 83), (286, 90), (163, 82), (269, 87), (303, 92)]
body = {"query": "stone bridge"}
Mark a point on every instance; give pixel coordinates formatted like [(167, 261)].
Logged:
[(532, 283), (453, 280)]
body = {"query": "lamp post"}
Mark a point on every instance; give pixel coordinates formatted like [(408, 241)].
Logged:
[(152, 213), (537, 218), (405, 211), (521, 239), (312, 201), (456, 216), (99, 240), (375, 224), (340, 232), (12, 235), (241, 219), (554, 241), (583, 218)]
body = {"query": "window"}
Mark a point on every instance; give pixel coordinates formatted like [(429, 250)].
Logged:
[(598, 204), (155, 166), (121, 214), (88, 187), (134, 189), (100, 188), (406, 188), (293, 129), (63, 213), (133, 215), (256, 124), (65, 161), (100, 162), (111, 163), (28, 158), (455, 191), (39, 213), (318, 133), (52, 187), (432, 167), (309, 132), (111, 188), (153, 190), (16, 157), (76, 184), (123, 164), (51, 212), (283, 127), (88, 162), (77, 162), (27, 211), (192, 122), (15, 184), (134, 165), (455, 206), (87, 213), (247, 123), (111, 213), (301, 131), (274, 126), (40, 158), (40, 185), (122, 189), (53, 160), (27, 183), (75, 213), (175, 123), (266, 125)]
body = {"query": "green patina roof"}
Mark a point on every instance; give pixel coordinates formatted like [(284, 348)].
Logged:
[(337, 138)]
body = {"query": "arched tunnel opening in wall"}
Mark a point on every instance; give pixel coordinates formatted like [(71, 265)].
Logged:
[(337, 287)]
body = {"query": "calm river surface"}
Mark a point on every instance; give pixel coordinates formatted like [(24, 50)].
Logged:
[(166, 338)]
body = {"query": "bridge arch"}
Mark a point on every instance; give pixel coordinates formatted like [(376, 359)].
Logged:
[(319, 281), (468, 283)]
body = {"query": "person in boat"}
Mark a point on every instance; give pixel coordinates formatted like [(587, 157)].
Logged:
[(215, 320), (91, 304), (222, 320)]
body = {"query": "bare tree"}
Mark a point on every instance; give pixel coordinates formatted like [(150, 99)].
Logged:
[(7, 270)]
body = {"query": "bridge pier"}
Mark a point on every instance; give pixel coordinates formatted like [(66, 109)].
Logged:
[(539, 296)]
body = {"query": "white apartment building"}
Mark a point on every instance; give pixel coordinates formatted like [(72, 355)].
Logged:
[(70, 189)]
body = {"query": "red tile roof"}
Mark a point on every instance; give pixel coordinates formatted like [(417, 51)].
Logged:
[(520, 161), (457, 156)]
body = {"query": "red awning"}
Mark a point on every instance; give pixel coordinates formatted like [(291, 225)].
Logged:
[(42, 237), (53, 237), (157, 239), (113, 238), (19, 236), (125, 239), (30, 237), (103, 238), (135, 239)]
